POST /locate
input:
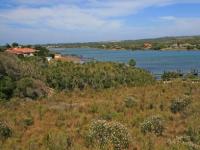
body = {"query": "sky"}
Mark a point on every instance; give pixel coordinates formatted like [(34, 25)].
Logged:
[(68, 21)]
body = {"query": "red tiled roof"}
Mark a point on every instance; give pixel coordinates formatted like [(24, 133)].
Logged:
[(21, 50)]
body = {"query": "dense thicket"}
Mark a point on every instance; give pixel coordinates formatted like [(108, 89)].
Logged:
[(96, 75), (31, 77)]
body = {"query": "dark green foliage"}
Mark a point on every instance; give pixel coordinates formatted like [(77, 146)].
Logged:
[(5, 131), (179, 105), (132, 62), (190, 47), (2, 48), (8, 46), (31, 74), (15, 44), (153, 125), (96, 75), (9, 65), (42, 51), (30, 88), (159, 46), (170, 75), (198, 46), (6, 87)]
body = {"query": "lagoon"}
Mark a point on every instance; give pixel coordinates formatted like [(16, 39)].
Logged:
[(154, 61)]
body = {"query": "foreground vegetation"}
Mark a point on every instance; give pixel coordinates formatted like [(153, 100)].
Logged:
[(160, 116), (60, 106), (34, 77)]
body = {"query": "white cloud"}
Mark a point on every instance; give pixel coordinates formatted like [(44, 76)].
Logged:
[(60, 17), (168, 18), (82, 20)]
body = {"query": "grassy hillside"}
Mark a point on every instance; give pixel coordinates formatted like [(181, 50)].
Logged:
[(34, 77), (66, 106), (170, 43)]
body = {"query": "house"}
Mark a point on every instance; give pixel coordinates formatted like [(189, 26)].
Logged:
[(57, 56), (147, 45), (49, 59), (26, 52)]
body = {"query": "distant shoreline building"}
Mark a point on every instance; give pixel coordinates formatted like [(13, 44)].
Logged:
[(26, 52), (147, 45)]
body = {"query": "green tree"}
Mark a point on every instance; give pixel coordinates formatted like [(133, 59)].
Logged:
[(8, 46), (9, 65), (42, 51), (6, 87), (15, 44), (28, 87), (132, 62)]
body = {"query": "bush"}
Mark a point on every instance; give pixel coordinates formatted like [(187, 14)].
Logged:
[(104, 133), (68, 76), (42, 51), (6, 87), (130, 102), (58, 141), (28, 73), (194, 135), (9, 65), (179, 105), (154, 125), (170, 75), (30, 88), (132, 62), (28, 122), (5, 131)]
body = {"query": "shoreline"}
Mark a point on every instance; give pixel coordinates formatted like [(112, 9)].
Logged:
[(166, 49)]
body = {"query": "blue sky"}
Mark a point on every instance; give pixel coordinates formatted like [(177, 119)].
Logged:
[(57, 21)]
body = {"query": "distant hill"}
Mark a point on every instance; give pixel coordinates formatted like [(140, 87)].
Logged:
[(163, 43)]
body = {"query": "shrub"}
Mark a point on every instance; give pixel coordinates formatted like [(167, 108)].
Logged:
[(104, 133), (179, 105), (130, 102), (194, 135), (5, 131), (28, 122), (9, 65), (30, 88), (6, 87), (98, 75), (57, 141), (153, 124), (132, 62), (42, 51), (170, 75)]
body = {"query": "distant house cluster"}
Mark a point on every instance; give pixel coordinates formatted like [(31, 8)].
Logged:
[(147, 45), (26, 52)]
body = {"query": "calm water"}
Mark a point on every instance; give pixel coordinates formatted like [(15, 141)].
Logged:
[(153, 61)]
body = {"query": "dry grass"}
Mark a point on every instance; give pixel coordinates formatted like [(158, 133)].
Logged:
[(68, 115)]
